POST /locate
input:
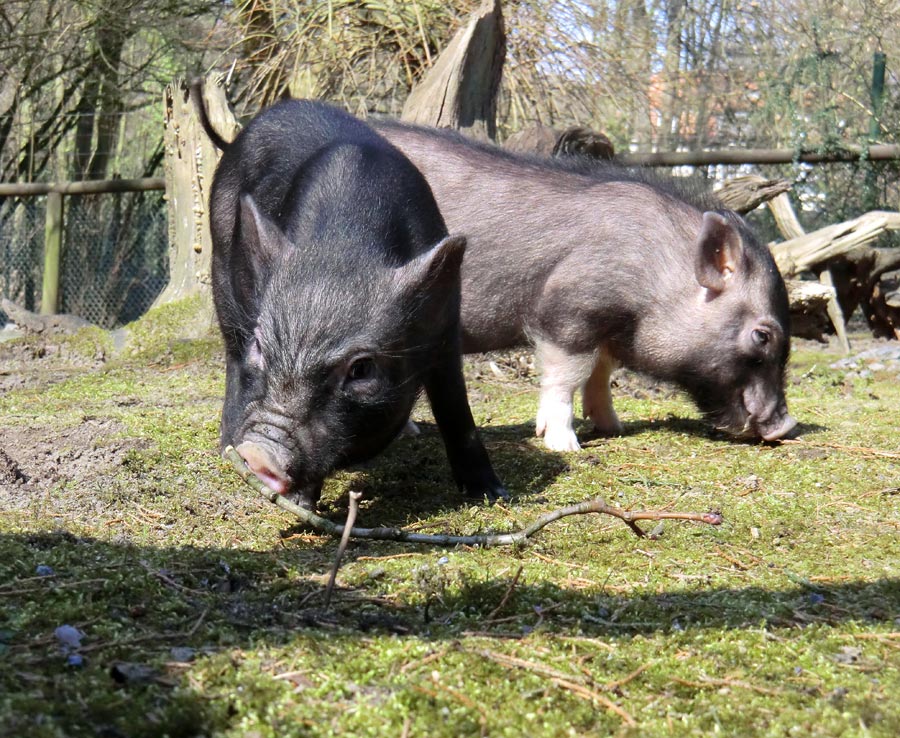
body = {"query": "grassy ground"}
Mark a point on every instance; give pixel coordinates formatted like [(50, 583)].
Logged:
[(199, 605)]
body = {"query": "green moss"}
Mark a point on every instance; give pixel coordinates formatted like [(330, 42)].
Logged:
[(780, 622), (173, 333)]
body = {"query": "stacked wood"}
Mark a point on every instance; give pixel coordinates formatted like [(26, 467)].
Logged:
[(813, 249), (841, 256), (460, 90)]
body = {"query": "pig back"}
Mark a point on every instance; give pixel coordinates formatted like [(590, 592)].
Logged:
[(335, 188), (536, 228)]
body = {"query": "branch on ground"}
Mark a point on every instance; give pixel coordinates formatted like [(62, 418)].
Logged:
[(323, 525)]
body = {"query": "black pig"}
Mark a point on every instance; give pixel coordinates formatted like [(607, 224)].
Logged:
[(599, 268), (337, 291)]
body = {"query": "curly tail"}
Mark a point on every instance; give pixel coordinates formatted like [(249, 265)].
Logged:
[(197, 98)]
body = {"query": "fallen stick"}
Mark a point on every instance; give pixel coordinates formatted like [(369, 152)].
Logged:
[(323, 525)]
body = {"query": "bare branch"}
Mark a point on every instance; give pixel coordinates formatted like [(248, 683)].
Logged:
[(323, 525)]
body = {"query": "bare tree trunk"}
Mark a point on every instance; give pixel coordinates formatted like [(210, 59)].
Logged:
[(671, 81)]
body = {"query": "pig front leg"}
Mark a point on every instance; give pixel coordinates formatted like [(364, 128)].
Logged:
[(561, 374), (596, 398), (231, 409), (469, 462)]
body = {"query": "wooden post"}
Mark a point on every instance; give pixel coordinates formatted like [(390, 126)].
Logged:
[(460, 90), (191, 160), (53, 236)]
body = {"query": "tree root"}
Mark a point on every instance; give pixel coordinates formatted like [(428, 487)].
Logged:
[(323, 525)]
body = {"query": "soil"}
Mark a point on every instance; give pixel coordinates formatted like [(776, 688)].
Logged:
[(34, 460)]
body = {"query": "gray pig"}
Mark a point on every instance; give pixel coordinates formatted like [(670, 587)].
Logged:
[(600, 268), (337, 291)]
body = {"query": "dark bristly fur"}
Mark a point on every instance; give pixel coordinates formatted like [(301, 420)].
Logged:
[(600, 266), (337, 292)]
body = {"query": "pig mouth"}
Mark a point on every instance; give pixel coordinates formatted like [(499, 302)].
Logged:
[(302, 491), (782, 427), (771, 429)]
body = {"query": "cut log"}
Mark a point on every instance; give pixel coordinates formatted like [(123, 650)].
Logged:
[(579, 141), (460, 90), (809, 308), (190, 161), (821, 246), (748, 192)]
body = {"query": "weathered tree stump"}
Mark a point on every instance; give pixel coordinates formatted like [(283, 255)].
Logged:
[(460, 90), (190, 161)]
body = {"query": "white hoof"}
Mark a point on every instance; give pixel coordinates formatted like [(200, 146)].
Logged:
[(561, 439)]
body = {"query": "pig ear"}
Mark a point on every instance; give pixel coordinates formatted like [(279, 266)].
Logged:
[(438, 267), (719, 251), (261, 239)]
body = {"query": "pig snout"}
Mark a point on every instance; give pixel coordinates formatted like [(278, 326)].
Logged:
[(768, 417), (264, 466), (263, 462), (779, 428)]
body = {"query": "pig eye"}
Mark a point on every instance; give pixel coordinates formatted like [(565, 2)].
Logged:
[(760, 338), (362, 369)]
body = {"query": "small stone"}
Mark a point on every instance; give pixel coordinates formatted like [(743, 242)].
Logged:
[(69, 636)]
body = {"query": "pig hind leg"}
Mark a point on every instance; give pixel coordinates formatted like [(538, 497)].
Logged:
[(561, 374), (596, 398)]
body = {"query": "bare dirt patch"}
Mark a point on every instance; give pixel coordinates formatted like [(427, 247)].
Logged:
[(36, 460)]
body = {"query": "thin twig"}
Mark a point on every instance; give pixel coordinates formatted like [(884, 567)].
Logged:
[(342, 546), (571, 682), (505, 599), (597, 505), (593, 695)]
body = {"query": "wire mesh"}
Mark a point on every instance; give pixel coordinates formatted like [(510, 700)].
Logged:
[(22, 249), (114, 255)]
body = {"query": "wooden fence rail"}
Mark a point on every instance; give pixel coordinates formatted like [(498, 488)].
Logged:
[(53, 223), (880, 152)]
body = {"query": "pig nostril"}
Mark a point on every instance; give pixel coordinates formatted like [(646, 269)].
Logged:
[(272, 480), (261, 465)]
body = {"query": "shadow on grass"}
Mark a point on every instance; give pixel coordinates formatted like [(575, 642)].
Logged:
[(412, 477), (134, 604), (274, 592)]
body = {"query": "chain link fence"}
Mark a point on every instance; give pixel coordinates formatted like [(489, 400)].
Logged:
[(21, 250), (114, 255)]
